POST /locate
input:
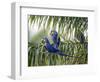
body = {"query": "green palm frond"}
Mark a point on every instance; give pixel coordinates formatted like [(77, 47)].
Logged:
[(70, 30)]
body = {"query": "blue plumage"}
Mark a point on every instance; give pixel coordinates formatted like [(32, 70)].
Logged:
[(50, 48), (55, 38), (54, 48)]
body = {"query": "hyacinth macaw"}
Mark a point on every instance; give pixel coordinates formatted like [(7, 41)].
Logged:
[(51, 49), (55, 38)]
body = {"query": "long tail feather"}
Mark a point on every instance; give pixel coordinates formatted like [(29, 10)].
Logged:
[(62, 54)]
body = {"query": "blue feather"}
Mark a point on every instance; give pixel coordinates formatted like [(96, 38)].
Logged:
[(52, 49), (55, 39)]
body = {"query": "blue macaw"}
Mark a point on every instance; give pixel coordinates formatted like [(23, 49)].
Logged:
[(50, 48), (55, 39)]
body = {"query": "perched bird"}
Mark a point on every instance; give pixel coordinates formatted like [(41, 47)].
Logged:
[(51, 49), (55, 39), (80, 37)]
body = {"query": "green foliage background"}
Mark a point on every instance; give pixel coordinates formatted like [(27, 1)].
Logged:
[(70, 30)]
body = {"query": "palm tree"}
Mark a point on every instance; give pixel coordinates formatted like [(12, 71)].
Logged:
[(73, 34)]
